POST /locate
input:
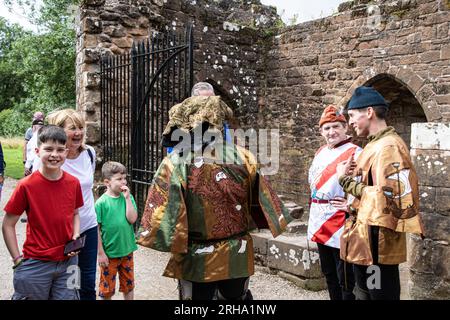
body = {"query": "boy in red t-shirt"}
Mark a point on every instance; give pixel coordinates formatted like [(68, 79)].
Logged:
[(51, 198)]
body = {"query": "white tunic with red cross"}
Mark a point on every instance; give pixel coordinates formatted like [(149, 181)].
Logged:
[(326, 223)]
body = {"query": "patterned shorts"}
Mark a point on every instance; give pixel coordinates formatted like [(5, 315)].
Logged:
[(125, 267)]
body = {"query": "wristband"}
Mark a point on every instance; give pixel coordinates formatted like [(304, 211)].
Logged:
[(15, 259)]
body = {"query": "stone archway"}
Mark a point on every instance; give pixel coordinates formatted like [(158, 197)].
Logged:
[(404, 109), (220, 91)]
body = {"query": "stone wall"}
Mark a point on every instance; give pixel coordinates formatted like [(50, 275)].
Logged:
[(230, 38), (403, 44), (430, 259)]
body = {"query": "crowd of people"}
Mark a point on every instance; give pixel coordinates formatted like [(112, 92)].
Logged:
[(205, 198)]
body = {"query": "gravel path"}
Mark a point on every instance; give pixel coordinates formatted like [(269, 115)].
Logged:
[(149, 265)]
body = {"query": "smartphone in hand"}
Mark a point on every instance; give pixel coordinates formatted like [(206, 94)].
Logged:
[(74, 245)]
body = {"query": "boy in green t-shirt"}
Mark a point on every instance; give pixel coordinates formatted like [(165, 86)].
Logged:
[(116, 213)]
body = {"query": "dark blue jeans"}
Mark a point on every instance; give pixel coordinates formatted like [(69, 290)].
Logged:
[(87, 261)]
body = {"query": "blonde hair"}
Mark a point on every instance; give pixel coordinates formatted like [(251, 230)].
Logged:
[(60, 117)]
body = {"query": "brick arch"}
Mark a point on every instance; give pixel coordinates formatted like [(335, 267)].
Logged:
[(419, 88)]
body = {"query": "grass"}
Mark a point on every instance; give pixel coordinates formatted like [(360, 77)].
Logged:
[(12, 153)]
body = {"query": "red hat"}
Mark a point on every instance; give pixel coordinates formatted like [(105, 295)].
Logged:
[(331, 114)]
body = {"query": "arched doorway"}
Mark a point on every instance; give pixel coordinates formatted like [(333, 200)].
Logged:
[(404, 107), (220, 91)]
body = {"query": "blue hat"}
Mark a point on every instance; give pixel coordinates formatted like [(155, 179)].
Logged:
[(364, 97)]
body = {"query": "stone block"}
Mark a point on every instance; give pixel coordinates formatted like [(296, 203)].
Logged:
[(92, 133), (424, 286), (305, 283), (430, 136), (104, 38), (129, 22), (94, 3), (260, 241), (430, 56), (443, 99), (415, 83), (92, 96), (429, 269), (432, 166), (91, 55), (443, 201), (115, 31), (429, 257), (297, 227), (445, 52), (110, 16), (124, 42), (139, 32), (87, 41), (427, 198), (291, 254), (425, 93), (91, 80), (91, 25), (437, 226), (91, 107)]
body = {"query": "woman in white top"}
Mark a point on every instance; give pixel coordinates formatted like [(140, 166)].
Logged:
[(31, 146), (80, 163)]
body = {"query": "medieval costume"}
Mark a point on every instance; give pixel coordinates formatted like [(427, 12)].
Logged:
[(326, 223), (204, 201), (385, 185)]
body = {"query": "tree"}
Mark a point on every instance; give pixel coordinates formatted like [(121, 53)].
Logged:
[(11, 88), (37, 69)]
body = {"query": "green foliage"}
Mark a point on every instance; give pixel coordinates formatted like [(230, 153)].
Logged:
[(37, 69), (14, 165), (11, 88), (13, 123)]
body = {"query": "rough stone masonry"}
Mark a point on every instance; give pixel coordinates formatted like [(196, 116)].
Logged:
[(282, 77)]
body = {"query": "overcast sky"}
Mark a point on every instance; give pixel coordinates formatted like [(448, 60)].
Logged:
[(16, 16), (305, 9)]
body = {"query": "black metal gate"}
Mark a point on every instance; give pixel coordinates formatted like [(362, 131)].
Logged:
[(137, 91)]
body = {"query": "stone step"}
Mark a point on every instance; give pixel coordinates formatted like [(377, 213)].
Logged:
[(292, 254), (296, 227), (308, 284), (294, 209)]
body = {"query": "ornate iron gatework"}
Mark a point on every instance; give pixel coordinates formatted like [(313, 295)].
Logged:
[(137, 91)]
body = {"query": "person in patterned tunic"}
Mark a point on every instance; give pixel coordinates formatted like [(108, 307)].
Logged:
[(328, 205), (204, 199)]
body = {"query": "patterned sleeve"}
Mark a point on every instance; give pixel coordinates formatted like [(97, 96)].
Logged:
[(267, 210), (165, 216)]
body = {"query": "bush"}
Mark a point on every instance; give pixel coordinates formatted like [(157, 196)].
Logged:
[(13, 123)]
